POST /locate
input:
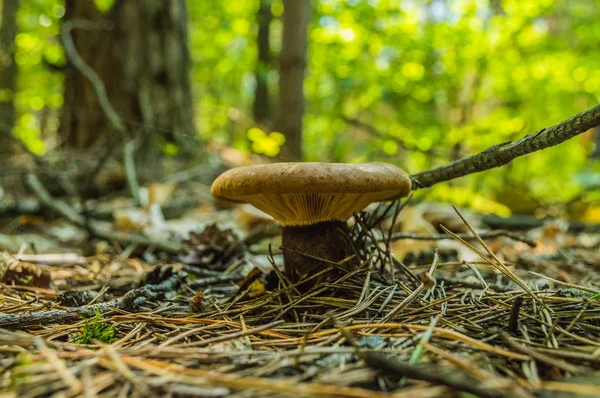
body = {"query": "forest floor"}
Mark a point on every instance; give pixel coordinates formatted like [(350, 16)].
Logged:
[(515, 315)]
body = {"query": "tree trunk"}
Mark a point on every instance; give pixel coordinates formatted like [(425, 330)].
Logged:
[(261, 107), (8, 74), (292, 64), (140, 52)]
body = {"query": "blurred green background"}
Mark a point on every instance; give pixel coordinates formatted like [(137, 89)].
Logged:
[(413, 83)]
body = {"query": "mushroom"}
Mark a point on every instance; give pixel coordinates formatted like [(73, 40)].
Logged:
[(312, 202)]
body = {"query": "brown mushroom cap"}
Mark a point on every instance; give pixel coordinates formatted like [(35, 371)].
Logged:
[(308, 193)]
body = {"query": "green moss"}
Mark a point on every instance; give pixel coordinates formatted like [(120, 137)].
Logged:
[(95, 330)]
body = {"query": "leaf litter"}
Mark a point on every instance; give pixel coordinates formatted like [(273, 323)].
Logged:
[(482, 314)]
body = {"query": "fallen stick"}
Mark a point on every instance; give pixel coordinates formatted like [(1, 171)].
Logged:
[(53, 258), (95, 228), (131, 301)]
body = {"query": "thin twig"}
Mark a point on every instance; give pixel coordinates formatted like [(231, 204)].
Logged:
[(94, 227), (504, 153), (71, 51)]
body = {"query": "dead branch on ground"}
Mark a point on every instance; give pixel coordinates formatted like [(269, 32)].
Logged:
[(94, 227)]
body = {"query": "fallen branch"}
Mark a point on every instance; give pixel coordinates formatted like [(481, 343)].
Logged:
[(47, 201), (199, 283), (53, 258), (95, 228), (131, 301), (504, 153)]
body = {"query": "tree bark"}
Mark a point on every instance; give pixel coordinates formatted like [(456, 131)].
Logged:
[(261, 107), (310, 249), (140, 52), (8, 74), (292, 65)]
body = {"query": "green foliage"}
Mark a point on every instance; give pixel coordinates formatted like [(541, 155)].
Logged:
[(104, 5), (438, 79), (443, 79), (267, 144), (95, 330), (39, 93), (224, 54), (457, 76)]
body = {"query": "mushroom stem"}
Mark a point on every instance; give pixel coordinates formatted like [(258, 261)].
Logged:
[(304, 246)]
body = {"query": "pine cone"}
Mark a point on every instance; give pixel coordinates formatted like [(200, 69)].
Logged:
[(212, 248), (26, 274)]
